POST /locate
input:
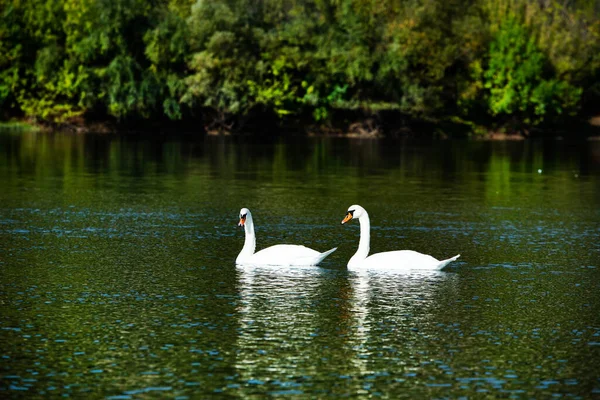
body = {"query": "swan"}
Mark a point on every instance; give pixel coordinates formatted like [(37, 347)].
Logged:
[(389, 260), (281, 254)]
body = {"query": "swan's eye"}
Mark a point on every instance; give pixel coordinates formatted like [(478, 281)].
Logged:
[(351, 212), (243, 216)]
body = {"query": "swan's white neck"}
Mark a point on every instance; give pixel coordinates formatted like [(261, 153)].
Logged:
[(365, 240), (249, 242)]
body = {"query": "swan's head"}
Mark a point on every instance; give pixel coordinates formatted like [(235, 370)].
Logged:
[(244, 214), (354, 212)]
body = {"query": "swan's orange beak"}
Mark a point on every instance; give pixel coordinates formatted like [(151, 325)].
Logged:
[(242, 221), (347, 218)]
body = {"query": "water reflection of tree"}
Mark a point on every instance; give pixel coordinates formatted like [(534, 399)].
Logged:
[(507, 168)]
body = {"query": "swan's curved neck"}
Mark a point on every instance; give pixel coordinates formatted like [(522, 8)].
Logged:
[(365, 240), (250, 241)]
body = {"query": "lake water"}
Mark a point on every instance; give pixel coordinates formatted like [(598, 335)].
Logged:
[(117, 273)]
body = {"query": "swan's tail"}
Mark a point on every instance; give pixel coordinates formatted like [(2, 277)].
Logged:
[(443, 263), (322, 256), (312, 260)]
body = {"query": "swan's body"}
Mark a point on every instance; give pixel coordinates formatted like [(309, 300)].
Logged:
[(281, 254), (389, 260)]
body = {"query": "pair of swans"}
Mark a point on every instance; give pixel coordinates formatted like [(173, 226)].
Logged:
[(294, 255)]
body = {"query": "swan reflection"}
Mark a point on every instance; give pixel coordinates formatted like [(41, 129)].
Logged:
[(276, 313), (295, 323), (387, 304)]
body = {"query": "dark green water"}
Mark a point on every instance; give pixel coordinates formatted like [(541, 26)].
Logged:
[(118, 277)]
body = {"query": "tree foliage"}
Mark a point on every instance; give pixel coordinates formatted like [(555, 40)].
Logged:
[(534, 62), (520, 80)]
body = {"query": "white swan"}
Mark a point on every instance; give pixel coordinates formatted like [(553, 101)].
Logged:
[(281, 254), (390, 260)]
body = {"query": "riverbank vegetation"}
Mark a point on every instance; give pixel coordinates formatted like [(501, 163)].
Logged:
[(359, 66)]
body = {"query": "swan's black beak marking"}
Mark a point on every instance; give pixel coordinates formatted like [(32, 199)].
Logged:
[(348, 216), (242, 220)]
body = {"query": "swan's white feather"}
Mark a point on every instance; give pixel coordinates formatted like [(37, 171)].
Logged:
[(286, 255), (401, 260)]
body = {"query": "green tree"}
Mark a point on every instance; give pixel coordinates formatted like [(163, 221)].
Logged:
[(478, 62), (517, 78)]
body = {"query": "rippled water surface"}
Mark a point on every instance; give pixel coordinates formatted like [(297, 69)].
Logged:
[(117, 274)]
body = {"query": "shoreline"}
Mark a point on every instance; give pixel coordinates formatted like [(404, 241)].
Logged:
[(362, 129)]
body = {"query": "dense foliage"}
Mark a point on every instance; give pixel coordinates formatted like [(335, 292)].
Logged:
[(516, 63)]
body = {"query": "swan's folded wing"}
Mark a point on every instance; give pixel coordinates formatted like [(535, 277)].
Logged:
[(284, 254), (400, 260)]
